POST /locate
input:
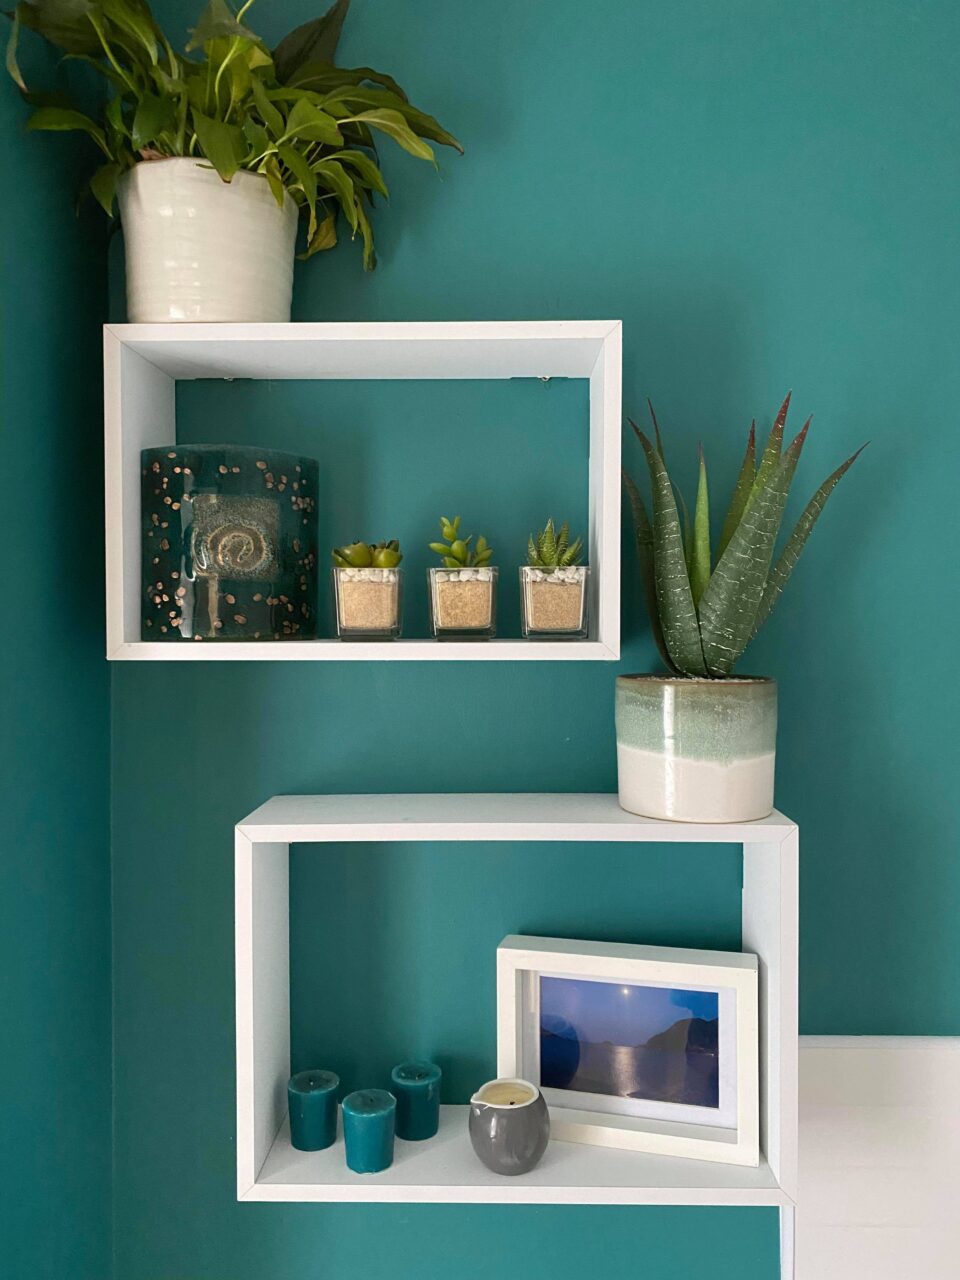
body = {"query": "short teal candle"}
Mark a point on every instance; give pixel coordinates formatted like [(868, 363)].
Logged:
[(369, 1117), (417, 1089), (312, 1101)]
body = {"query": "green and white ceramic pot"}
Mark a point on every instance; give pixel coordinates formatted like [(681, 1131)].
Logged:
[(696, 750)]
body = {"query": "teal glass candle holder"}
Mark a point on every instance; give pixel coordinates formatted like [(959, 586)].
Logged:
[(369, 1121), (229, 544), (416, 1086), (312, 1103)]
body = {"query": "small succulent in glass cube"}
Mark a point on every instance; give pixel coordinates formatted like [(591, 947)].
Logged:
[(463, 593), (553, 586), (367, 588)]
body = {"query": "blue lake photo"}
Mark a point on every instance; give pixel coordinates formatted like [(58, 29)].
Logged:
[(660, 1044)]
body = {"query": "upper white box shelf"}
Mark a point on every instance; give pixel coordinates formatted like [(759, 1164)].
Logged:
[(142, 364)]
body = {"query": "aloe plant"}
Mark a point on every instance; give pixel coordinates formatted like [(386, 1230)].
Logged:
[(308, 126), (368, 555), (456, 552), (553, 550), (705, 609)]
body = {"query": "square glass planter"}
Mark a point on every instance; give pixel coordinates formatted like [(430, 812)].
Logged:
[(368, 603), (463, 603), (554, 602)]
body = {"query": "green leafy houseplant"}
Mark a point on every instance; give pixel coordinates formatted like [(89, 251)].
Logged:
[(455, 552), (705, 607), (309, 127), (552, 550)]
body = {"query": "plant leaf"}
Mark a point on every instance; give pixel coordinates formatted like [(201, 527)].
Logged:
[(103, 185), (336, 179), (325, 77), (771, 453), (790, 554), (656, 431), (368, 171), (678, 616), (298, 166), (224, 145), (741, 492), (700, 552), (58, 119), (307, 121), (150, 118), (269, 114), (325, 237), (369, 254), (644, 539), (218, 23), (271, 171), (728, 607), (549, 552), (393, 124), (13, 67), (314, 41), (64, 23)]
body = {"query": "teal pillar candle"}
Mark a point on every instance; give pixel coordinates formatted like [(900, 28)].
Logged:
[(369, 1119), (312, 1102), (417, 1089)]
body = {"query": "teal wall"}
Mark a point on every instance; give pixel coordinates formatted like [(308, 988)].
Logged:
[(767, 198), (54, 720)]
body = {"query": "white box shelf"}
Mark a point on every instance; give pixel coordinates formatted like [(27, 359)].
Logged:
[(445, 1170), (143, 362)]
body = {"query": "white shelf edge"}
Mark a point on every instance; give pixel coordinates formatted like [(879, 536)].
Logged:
[(364, 651), (444, 1170), (516, 816)]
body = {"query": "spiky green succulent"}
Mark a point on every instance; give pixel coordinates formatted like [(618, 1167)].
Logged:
[(368, 555), (552, 550), (456, 552), (705, 610)]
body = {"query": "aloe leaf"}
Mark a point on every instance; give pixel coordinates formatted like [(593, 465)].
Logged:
[(700, 554), (786, 562), (678, 616), (656, 431), (771, 453), (728, 608), (741, 492), (644, 538), (685, 523), (549, 544)]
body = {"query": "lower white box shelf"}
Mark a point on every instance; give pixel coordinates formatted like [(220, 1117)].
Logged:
[(444, 1170)]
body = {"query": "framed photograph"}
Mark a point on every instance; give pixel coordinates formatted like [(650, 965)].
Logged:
[(651, 1048)]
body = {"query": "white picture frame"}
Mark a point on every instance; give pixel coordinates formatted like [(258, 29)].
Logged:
[(728, 1133)]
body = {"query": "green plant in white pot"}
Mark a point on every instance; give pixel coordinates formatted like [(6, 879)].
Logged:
[(213, 153), (699, 744)]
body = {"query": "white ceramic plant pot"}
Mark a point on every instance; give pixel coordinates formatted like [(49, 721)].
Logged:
[(696, 750), (201, 249)]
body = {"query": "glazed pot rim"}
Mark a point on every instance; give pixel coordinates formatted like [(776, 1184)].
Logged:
[(688, 680), (478, 1098)]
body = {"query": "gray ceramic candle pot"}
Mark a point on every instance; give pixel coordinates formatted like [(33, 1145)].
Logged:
[(509, 1125)]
